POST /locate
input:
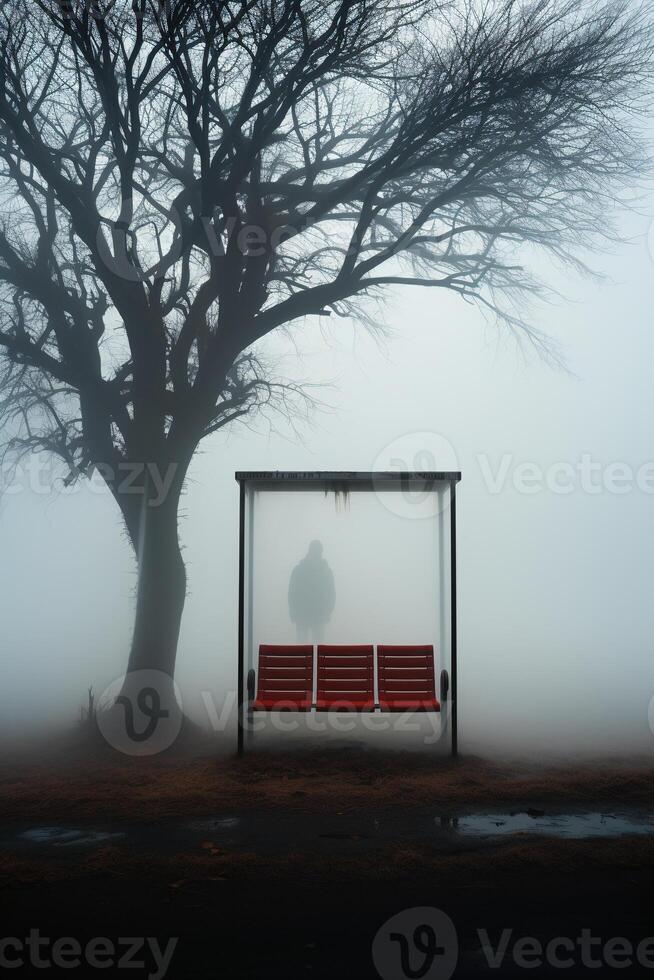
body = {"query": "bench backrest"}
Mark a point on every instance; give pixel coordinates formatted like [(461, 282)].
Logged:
[(285, 673), (405, 673), (345, 674)]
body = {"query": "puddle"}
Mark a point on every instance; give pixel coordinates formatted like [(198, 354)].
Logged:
[(215, 823), (573, 825), (67, 836), (280, 832)]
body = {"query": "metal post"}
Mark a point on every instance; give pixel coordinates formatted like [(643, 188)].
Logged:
[(453, 625), (249, 633), (241, 615)]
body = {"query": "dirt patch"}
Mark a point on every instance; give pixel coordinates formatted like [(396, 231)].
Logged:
[(298, 915), (303, 913)]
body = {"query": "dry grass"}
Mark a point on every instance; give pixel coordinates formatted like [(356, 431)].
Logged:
[(110, 787)]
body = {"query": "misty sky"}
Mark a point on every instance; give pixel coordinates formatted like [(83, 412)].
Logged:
[(556, 631)]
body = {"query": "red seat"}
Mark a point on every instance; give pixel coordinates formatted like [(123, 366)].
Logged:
[(345, 678), (284, 678), (406, 678)]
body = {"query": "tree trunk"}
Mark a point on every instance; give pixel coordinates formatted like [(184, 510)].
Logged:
[(145, 716), (161, 587)]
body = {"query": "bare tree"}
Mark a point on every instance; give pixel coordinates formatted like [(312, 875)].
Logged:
[(182, 177)]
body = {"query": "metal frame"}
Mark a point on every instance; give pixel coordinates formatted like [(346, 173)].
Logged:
[(344, 482)]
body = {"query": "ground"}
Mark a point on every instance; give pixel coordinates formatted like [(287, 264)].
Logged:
[(289, 866)]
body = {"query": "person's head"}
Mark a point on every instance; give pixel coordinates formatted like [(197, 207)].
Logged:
[(315, 550)]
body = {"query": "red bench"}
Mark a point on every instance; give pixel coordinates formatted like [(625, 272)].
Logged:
[(345, 681), (406, 678), (285, 679), (346, 678)]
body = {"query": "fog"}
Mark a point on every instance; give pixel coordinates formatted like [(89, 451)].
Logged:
[(556, 620)]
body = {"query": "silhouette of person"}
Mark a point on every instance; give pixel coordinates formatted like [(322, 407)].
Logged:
[(311, 595)]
